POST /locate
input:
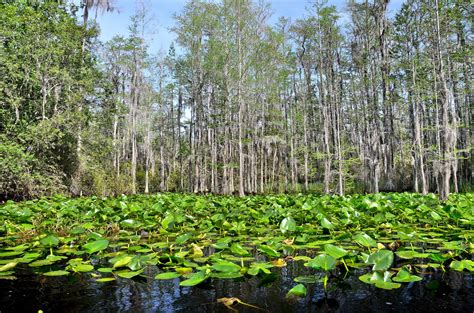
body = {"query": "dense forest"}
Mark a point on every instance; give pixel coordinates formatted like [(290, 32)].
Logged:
[(333, 102)]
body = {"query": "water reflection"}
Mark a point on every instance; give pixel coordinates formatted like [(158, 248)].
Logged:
[(438, 292)]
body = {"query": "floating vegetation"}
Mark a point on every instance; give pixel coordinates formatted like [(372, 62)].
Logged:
[(393, 239)]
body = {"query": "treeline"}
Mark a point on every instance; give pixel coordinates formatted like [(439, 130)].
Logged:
[(366, 103)]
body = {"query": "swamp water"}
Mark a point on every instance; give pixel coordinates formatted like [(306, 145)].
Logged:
[(437, 292)]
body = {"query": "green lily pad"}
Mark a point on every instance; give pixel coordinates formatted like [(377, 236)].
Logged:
[(404, 276), (49, 241), (311, 279), (322, 261), (382, 260), (8, 266), (268, 251), (56, 273), (96, 246), (239, 250), (365, 240), (288, 224), (194, 279), (105, 279), (297, 291), (460, 265), (335, 251)]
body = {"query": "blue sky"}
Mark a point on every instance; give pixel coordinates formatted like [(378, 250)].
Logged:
[(162, 11)]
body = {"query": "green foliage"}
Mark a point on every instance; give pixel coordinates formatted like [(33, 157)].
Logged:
[(23, 175), (46, 77), (194, 236)]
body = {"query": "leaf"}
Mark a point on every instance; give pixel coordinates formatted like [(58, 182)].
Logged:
[(335, 251), (128, 274), (122, 261), (435, 216), (297, 291), (56, 273), (183, 270), (462, 265), (105, 270), (403, 276), (223, 275), (168, 222), (50, 241), (105, 279), (239, 250), (323, 261), (83, 268), (365, 240), (183, 238), (40, 263), (325, 223), (301, 258), (383, 282), (311, 279), (194, 279), (288, 224), (8, 266), (96, 246), (268, 251), (382, 260), (226, 266), (10, 253), (409, 254), (168, 275), (256, 268), (196, 251)]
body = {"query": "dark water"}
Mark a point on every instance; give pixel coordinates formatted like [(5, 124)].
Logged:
[(438, 292)]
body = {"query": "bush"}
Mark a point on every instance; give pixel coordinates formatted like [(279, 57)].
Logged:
[(22, 175)]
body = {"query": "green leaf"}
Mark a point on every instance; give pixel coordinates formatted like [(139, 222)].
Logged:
[(167, 275), (96, 246), (105, 270), (128, 274), (40, 263), (268, 251), (258, 267), (123, 261), (297, 291), (8, 266), (223, 275), (365, 240), (226, 266), (83, 268), (311, 279), (379, 280), (335, 251), (288, 224), (183, 238), (10, 253), (105, 279), (239, 250), (50, 241), (409, 254), (194, 279), (168, 222), (403, 276), (56, 273), (382, 260), (462, 265), (322, 261), (325, 223)]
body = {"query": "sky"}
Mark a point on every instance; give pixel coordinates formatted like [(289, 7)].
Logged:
[(161, 14)]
